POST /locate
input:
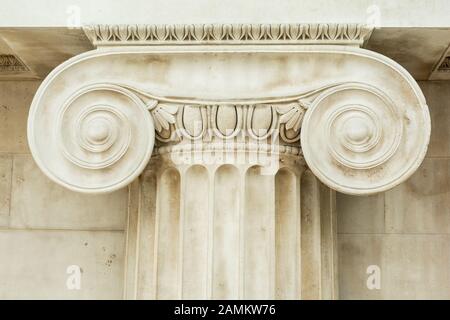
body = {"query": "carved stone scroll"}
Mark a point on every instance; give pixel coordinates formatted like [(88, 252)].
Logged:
[(100, 139), (357, 140)]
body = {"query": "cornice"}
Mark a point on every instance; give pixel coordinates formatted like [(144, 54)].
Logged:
[(196, 34)]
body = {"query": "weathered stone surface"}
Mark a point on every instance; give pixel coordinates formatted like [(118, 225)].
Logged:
[(34, 264), (417, 267), (422, 203), (363, 214), (37, 202), (5, 188), (356, 254), (412, 266), (43, 49), (438, 99), (15, 100), (416, 49)]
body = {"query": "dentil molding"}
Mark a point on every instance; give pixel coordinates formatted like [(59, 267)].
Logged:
[(357, 118)]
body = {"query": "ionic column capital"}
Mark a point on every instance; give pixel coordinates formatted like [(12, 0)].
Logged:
[(357, 118)]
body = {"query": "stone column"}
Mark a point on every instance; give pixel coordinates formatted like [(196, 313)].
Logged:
[(232, 145), (230, 211)]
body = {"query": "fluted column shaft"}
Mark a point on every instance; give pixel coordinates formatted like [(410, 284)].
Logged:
[(230, 231)]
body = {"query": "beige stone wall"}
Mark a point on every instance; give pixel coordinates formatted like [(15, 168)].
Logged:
[(44, 228), (405, 231)]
